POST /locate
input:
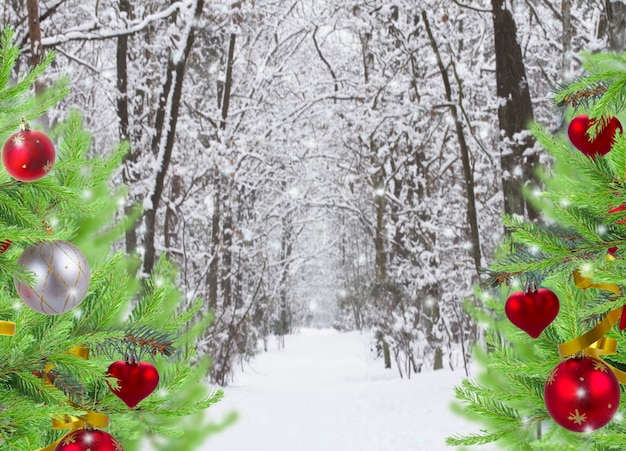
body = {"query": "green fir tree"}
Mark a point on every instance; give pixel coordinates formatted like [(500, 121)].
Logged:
[(578, 252), (120, 318)]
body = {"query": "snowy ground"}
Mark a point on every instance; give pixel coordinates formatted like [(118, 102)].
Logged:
[(324, 392)]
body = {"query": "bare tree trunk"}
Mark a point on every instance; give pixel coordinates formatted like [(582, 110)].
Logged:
[(123, 118), (468, 173), (212, 279), (378, 185), (284, 320), (34, 32), (220, 184), (170, 222), (515, 113), (615, 16), (168, 108), (566, 37), (36, 49)]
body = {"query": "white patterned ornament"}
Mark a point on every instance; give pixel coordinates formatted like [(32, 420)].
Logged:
[(61, 277)]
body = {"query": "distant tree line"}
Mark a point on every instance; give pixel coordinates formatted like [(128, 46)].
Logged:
[(301, 153)]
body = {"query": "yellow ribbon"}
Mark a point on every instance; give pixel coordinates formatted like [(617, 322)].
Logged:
[(74, 423), (585, 282), (594, 343), (80, 351), (7, 328)]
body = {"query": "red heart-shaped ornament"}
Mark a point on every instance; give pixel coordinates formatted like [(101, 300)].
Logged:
[(603, 142), (136, 381), (532, 311)]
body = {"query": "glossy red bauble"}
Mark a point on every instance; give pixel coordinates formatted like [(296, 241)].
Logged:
[(89, 440), (532, 311), (603, 142), (582, 394), (28, 155), (136, 381)]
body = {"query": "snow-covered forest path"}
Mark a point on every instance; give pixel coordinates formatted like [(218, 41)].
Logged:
[(325, 392)]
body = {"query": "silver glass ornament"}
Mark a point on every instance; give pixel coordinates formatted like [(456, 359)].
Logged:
[(61, 277)]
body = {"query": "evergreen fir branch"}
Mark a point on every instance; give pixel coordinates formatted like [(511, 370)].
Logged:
[(616, 160), (13, 100), (484, 402), (151, 341), (482, 438), (528, 263), (133, 345), (495, 279), (613, 100), (538, 240), (30, 385), (10, 53), (579, 95), (590, 86), (72, 388)]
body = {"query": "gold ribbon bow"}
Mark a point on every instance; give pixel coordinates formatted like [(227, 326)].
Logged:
[(595, 344), (74, 423), (7, 328)]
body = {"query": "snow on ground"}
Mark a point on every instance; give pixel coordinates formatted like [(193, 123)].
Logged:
[(325, 392)]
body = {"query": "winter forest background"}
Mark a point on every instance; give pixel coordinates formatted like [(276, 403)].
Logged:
[(320, 162)]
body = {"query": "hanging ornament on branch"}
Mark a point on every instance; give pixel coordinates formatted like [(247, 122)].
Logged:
[(83, 434), (28, 155), (582, 394), (136, 381), (532, 311), (61, 277), (578, 132)]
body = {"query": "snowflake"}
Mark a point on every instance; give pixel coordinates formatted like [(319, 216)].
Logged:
[(70, 438), (577, 417), (598, 365), (552, 376), (47, 166)]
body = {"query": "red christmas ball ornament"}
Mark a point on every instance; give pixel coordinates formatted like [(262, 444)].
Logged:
[(532, 311), (603, 142), (135, 380), (89, 440), (28, 155), (582, 394)]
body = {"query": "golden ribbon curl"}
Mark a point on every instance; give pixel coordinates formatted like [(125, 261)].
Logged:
[(585, 282), (74, 423), (595, 344), (7, 328)]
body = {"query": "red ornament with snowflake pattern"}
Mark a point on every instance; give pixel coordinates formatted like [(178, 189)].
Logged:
[(89, 440), (582, 394), (28, 155)]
